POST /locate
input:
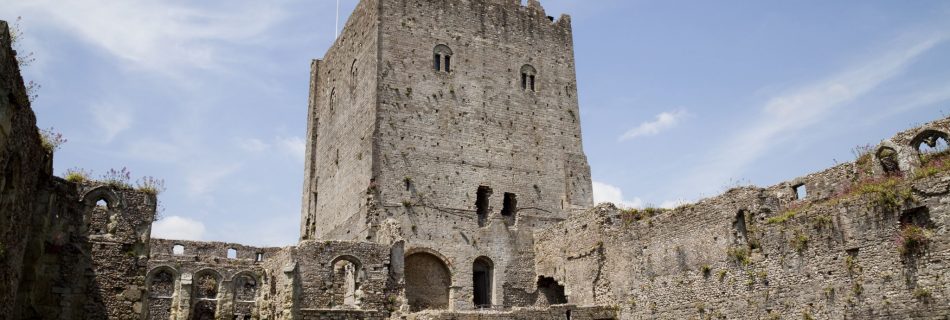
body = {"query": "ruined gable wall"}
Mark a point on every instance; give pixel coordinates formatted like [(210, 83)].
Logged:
[(26, 166), (834, 254), (339, 157)]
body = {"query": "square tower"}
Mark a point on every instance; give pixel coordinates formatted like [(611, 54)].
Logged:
[(451, 125)]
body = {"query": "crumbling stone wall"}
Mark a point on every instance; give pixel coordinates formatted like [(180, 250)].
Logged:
[(222, 280), (862, 243), (26, 168), (61, 257)]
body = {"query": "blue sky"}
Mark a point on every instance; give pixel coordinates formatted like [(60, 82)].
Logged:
[(679, 99)]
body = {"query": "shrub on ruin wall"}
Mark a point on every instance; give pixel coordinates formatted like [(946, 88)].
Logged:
[(150, 185), (118, 178), (51, 140), (913, 240), (77, 175)]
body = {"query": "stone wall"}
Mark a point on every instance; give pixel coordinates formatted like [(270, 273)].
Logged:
[(61, 255), (226, 280), (862, 243), (340, 126), (26, 169)]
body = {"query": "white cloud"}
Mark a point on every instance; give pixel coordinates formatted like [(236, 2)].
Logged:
[(293, 146), (252, 145), (665, 120), (785, 115), (111, 120), (178, 228), (607, 193)]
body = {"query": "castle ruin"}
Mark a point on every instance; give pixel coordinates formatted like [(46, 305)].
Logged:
[(445, 179)]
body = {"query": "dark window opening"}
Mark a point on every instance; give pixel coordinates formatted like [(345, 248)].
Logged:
[(528, 74), (481, 204), (524, 81), (919, 217), (568, 314), (800, 191), (482, 282), (510, 205), (550, 292), (888, 158), (448, 63), (437, 62), (259, 257), (739, 230), (532, 83)]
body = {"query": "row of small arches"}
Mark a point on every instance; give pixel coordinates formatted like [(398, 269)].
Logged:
[(442, 62), (206, 284)]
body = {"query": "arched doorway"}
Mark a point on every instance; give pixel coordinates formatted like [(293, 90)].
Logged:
[(427, 282), (482, 282)]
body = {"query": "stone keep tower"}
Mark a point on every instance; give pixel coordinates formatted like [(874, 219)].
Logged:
[(451, 125)]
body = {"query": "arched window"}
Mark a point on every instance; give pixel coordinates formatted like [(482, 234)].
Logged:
[(232, 253), (206, 290), (887, 156), (428, 280), (161, 289), (482, 282), (245, 294), (245, 287), (930, 144), (528, 74), (347, 278), (178, 250), (442, 58)]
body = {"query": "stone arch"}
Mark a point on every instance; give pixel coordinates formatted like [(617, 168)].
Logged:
[(483, 282), (442, 58), (206, 285), (887, 157), (161, 282), (348, 275), (245, 285), (428, 280), (102, 193), (936, 141), (528, 75)]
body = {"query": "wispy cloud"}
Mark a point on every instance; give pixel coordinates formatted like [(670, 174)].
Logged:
[(178, 228), (785, 115), (663, 121), (158, 35)]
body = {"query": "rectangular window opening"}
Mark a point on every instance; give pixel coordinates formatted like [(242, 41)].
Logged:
[(481, 204), (259, 257), (532, 83), (524, 81), (800, 192), (448, 63), (510, 205), (437, 64)]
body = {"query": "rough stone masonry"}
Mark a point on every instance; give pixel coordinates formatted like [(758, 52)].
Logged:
[(445, 179)]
